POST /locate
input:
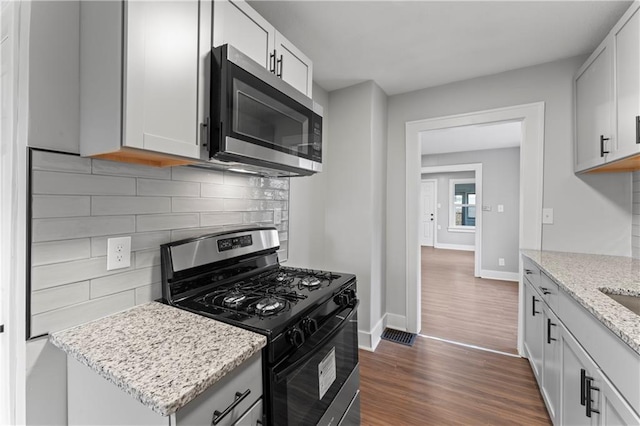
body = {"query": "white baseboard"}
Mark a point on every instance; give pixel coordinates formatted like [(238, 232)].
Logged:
[(369, 340), (397, 322), (463, 247), (500, 275)]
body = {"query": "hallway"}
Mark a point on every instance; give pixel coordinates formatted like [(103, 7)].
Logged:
[(459, 307)]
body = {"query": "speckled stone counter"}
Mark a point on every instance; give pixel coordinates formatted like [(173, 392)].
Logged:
[(583, 276), (162, 356)]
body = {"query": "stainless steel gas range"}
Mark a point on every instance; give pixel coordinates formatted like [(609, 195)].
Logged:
[(310, 363)]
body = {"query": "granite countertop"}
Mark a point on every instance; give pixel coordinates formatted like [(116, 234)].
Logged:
[(162, 356), (584, 275)]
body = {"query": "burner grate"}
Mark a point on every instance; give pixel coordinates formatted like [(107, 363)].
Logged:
[(398, 336)]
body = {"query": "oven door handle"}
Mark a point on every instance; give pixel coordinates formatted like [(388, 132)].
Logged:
[(280, 375)]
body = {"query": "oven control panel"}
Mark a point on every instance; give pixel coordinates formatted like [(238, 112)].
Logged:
[(234, 243)]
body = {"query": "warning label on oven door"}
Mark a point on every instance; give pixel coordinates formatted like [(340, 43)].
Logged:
[(327, 372)]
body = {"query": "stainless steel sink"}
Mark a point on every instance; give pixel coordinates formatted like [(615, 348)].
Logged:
[(630, 302)]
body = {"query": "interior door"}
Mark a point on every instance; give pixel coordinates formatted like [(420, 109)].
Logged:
[(428, 211)]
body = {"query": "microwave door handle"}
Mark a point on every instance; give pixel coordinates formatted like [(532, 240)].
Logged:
[(280, 375)]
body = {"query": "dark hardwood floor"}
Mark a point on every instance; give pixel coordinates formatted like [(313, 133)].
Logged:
[(440, 383), (457, 306)]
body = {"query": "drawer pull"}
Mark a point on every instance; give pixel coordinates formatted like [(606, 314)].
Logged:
[(545, 290), (549, 325), (533, 306), (588, 400), (218, 416), (528, 271)]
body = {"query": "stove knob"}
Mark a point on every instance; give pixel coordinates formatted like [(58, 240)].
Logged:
[(310, 326), (296, 337), (342, 300)]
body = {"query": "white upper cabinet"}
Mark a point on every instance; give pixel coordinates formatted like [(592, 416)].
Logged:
[(293, 66), (594, 109), (626, 36), (607, 90), (142, 91), (238, 24)]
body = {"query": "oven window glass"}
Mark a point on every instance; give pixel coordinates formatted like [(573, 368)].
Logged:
[(300, 398), (261, 117)]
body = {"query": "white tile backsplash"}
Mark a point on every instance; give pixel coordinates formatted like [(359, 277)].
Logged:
[(79, 227), (170, 188), (110, 206), (59, 183), (60, 206), (79, 203), (60, 251), (51, 161), (126, 281), (190, 174), (66, 317), (159, 222), (182, 204), (59, 297)]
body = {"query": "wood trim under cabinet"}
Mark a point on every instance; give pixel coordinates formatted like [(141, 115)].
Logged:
[(146, 158), (629, 164)]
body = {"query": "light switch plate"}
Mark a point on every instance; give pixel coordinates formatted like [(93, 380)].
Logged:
[(500, 208), (547, 216), (118, 253)]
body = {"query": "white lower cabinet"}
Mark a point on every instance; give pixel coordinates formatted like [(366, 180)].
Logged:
[(551, 362), (235, 400), (576, 389), (533, 329), (588, 397)]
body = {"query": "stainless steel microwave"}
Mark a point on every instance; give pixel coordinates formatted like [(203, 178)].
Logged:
[(259, 123)]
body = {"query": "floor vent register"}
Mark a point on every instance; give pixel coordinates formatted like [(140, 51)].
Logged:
[(398, 336)]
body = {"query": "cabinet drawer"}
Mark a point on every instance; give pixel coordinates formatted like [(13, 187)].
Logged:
[(548, 289), (531, 272), (247, 377)]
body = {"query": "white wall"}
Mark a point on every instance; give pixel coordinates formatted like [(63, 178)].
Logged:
[(500, 185), (592, 213), (354, 171), (307, 205)]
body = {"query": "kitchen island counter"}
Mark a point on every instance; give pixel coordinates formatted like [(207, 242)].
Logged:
[(585, 276), (162, 356)]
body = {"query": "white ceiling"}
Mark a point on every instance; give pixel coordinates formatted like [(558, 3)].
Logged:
[(409, 45), (471, 138)]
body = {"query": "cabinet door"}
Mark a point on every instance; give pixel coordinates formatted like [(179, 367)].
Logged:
[(627, 68), (161, 69), (238, 24), (293, 66), (594, 108), (551, 362), (533, 329), (614, 410), (575, 364)]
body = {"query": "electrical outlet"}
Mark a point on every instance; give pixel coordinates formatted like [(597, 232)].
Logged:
[(118, 253), (500, 261), (500, 208)]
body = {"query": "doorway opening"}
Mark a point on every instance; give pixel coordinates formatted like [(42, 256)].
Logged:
[(531, 117)]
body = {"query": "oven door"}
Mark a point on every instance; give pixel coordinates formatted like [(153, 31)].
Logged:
[(304, 385)]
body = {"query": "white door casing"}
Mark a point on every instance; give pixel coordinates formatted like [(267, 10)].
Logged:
[(428, 212), (531, 179)]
